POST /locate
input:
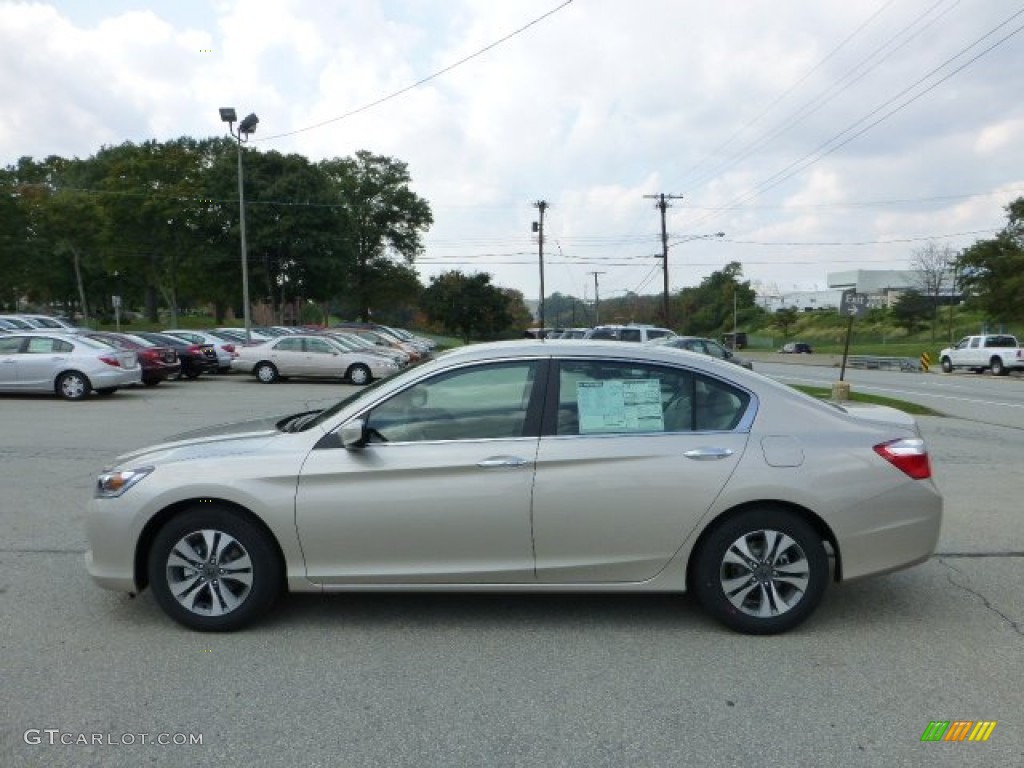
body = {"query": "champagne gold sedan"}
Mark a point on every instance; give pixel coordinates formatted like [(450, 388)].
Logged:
[(534, 465)]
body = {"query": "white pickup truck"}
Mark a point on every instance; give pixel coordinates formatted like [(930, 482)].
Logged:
[(998, 352)]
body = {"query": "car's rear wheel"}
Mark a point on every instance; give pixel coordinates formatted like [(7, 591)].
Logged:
[(266, 372), (213, 570), (359, 374), (73, 385), (761, 572), (151, 382), (947, 365), (192, 373), (997, 367)]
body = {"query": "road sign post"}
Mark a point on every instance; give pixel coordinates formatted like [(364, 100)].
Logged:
[(853, 305)]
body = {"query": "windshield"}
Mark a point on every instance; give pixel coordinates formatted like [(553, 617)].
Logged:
[(307, 422)]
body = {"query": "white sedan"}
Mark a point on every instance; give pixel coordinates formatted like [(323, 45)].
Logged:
[(310, 356)]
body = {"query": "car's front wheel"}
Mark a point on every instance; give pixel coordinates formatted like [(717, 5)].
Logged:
[(947, 365), (266, 372), (761, 572), (213, 570), (359, 374)]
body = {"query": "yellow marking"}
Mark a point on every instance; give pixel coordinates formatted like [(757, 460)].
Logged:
[(982, 730)]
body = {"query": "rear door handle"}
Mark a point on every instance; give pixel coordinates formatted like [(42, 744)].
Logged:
[(708, 454), (498, 462)]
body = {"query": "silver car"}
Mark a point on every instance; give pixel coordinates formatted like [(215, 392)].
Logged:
[(65, 364), (704, 347), (527, 466), (310, 356)]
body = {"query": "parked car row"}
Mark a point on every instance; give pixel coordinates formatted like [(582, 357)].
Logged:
[(30, 322), (645, 334), (73, 362)]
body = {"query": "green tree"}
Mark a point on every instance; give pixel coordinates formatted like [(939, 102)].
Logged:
[(991, 272), (709, 307), (912, 311), (519, 317), (784, 319), (467, 305), (380, 220), (292, 233)]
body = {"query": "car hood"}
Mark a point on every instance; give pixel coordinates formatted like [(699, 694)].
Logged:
[(233, 439)]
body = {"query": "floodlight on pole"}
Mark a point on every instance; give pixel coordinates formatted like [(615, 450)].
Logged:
[(247, 126)]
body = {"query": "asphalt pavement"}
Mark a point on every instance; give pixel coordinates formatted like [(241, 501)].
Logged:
[(485, 680)]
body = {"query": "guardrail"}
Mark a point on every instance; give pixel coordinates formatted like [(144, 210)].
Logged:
[(875, 362)]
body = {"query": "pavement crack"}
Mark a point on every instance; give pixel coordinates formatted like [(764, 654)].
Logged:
[(1014, 625), (968, 555)]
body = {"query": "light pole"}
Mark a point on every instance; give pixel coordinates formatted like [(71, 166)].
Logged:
[(664, 265), (597, 298), (538, 227), (952, 297), (247, 126)]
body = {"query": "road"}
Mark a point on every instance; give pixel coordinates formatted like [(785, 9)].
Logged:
[(413, 680), (982, 398)]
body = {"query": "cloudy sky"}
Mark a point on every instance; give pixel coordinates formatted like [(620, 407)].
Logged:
[(817, 135)]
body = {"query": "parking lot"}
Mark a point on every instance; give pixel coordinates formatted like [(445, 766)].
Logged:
[(476, 680)]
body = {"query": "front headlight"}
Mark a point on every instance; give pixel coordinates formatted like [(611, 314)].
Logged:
[(110, 485)]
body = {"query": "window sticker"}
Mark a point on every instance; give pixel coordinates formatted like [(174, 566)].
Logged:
[(618, 405)]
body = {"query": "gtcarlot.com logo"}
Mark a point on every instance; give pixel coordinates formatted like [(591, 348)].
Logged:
[(958, 730), (54, 736)]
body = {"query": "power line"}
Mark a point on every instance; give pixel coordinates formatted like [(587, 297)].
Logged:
[(826, 148), (423, 81)]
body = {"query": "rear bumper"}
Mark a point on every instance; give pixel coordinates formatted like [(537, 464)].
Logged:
[(115, 377), (895, 531)]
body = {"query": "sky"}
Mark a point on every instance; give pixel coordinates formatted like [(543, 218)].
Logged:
[(818, 136)]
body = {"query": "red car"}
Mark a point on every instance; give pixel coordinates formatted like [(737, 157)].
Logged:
[(158, 362)]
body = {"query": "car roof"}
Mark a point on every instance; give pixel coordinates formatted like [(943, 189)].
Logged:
[(583, 348)]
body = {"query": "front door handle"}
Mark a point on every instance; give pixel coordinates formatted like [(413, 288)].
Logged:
[(498, 462), (708, 454)]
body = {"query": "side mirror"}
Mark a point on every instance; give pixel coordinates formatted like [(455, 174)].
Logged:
[(353, 434)]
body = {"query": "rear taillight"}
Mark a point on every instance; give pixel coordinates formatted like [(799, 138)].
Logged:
[(151, 354), (229, 348), (111, 361), (195, 349), (908, 455)]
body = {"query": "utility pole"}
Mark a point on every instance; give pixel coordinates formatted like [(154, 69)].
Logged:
[(597, 298), (663, 205), (538, 227)]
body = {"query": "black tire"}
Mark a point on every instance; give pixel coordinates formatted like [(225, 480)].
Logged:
[(266, 372), (106, 391), (947, 365), (192, 374), (720, 567), (996, 366), (359, 375), (151, 382), (224, 568), (73, 385)]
